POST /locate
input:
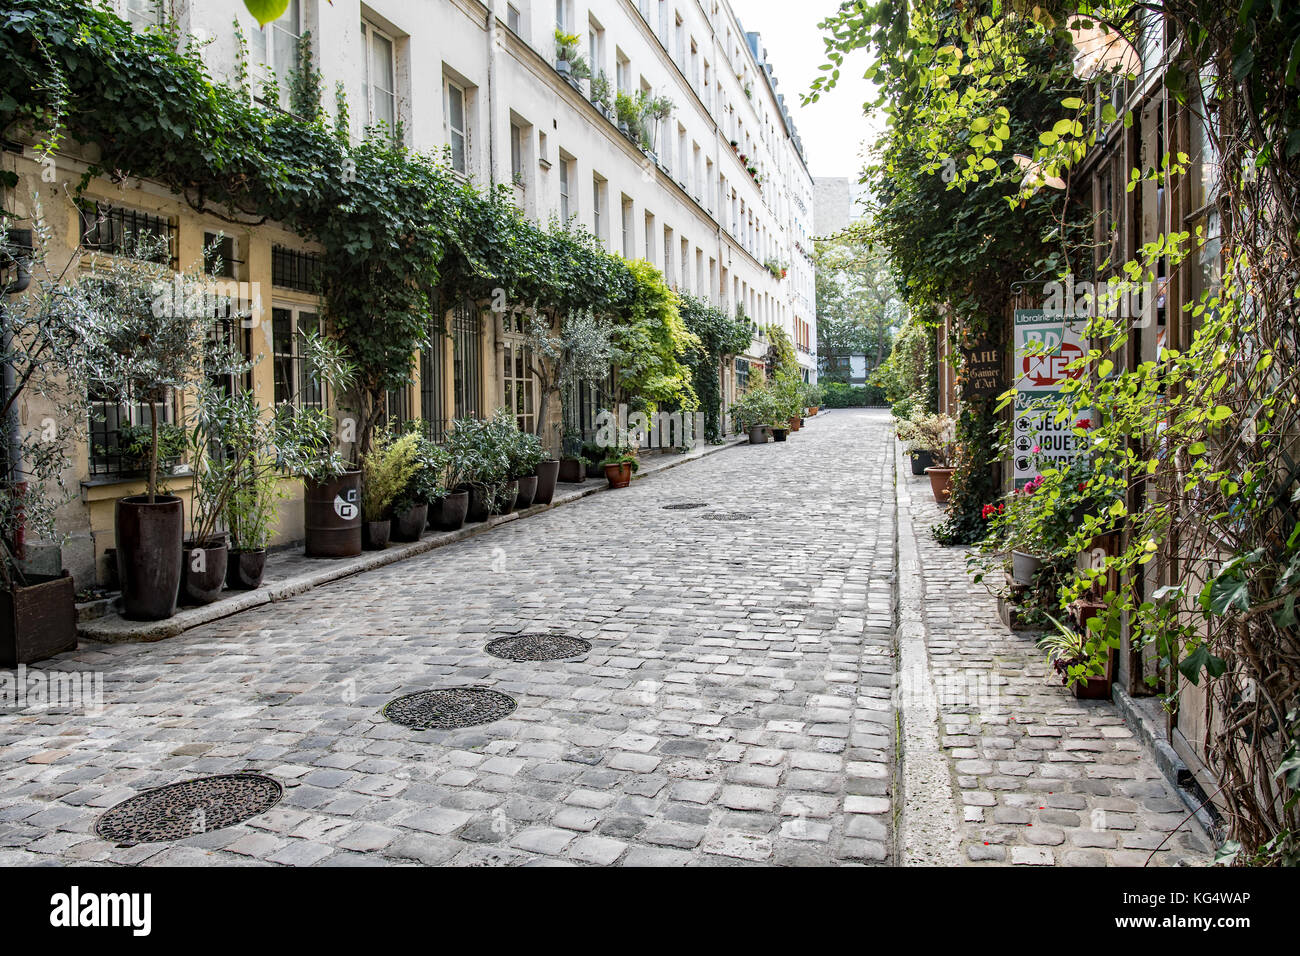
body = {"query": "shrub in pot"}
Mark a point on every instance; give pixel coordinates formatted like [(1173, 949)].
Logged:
[(526, 455), (386, 471), (937, 435), (619, 468), (482, 464), (424, 490)]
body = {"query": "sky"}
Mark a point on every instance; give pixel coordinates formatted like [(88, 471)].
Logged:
[(832, 129)]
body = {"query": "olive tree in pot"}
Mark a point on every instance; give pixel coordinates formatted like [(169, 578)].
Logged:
[(311, 448), (147, 345), (582, 351), (43, 318), (386, 471)]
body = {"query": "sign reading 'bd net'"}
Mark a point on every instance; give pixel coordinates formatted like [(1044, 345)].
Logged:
[(1046, 343)]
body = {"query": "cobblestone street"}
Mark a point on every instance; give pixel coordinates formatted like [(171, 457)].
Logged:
[(737, 706)]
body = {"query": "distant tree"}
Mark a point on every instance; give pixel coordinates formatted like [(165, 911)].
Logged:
[(858, 306)]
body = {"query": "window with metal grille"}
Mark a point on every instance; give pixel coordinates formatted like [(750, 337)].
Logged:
[(517, 374), (296, 381), (120, 231), (467, 360), (433, 405), (291, 269), (219, 255), (742, 376)]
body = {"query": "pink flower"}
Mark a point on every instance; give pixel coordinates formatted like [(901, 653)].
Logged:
[(1037, 449)]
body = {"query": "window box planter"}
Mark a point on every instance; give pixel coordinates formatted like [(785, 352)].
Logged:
[(940, 482), (37, 621)]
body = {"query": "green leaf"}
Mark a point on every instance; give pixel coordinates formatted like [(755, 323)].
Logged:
[(266, 11), (1072, 103)]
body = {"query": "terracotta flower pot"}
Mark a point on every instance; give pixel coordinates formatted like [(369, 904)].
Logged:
[(619, 476), (795, 423), (940, 482)]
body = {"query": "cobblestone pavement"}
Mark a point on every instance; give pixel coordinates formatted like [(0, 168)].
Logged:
[(1042, 778), (734, 709)]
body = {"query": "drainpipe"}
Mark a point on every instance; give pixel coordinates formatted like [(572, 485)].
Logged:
[(13, 446), (491, 92)]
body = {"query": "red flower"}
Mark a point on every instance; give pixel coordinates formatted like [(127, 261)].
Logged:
[(1083, 423)]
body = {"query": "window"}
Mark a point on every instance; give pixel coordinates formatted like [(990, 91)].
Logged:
[(629, 230), (295, 270), (742, 376), (296, 382), (143, 14), (433, 410), (380, 89), (623, 72), (274, 50), (566, 207), (649, 237), (517, 154), (119, 231), (219, 255), (520, 386), (467, 359), (457, 128), (512, 18), (597, 207), (596, 47)]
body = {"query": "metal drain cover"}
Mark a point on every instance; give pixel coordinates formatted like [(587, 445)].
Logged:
[(188, 808), (449, 708), (727, 516), (685, 506), (538, 647)]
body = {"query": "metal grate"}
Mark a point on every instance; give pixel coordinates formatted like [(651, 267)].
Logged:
[(188, 808), (292, 269), (727, 516), (449, 708), (467, 359), (538, 647), (119, 231), (433, 403)]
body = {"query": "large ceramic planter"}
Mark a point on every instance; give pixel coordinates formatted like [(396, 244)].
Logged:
[(408, 525), (595, 469), (37, 621), (245, 569), (203, 573), (940, 482), (547, 473), (479, 506), (449, 514), (375, 534), (758, 434), (1024, 566), (620, 475), (921, 460), (149, 545), (779, 434), (527, 492), (332, 516), (571, 470)]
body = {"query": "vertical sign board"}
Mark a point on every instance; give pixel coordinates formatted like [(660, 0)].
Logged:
[(1046, 344)]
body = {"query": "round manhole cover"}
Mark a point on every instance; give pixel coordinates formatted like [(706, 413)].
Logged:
[(188, 808), (450, 708), (538, 647), (685, 506), (727, 516)]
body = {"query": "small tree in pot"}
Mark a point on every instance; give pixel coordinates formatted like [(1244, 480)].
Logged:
[(43, 321), (146, 344), (424, 489), (386, 471)]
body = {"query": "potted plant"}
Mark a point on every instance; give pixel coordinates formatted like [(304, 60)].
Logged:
[(312, 450), (250, 511), (423, 490), (1074, 655), (571, 465), (483, 464), (752, 413), (386, 470), (150, 347), (935, 434), (526, 456), (38, 616), (569, 63), (602, 94), (580, 350), (619, 466), (449, 511)]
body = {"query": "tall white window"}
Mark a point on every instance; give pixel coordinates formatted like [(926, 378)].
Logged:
[(273, 49), (457, 128), (380, 87), (629, 230), (513, 20), (597, 207), (565, 205), (516, 153), (143, 14)]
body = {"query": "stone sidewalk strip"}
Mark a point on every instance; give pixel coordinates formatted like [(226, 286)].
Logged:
[(1041, 777), (735, 708)]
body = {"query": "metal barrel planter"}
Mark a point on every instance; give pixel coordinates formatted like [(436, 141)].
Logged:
[(332, 516)]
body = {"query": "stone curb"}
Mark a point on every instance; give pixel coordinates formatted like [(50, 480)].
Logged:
[(112, 628)]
